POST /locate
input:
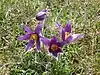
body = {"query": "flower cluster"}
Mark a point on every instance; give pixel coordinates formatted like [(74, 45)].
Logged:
[(53, 44)]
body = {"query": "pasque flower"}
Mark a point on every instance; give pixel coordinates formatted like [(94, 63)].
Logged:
[(41, 15), (66, 33), (33, 37), (54, 46)]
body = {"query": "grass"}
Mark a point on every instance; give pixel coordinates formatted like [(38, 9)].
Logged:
[(82, 58)]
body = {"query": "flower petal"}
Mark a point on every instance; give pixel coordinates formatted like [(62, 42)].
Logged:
[(59, 50), (76, 37), (45, 41), (38, 45), (68, 27), (55, 53), (38, 29), (61, 44), (27, 29), (41, 15), (63, 34), (44, 10), (24, 37), (54, 40), (30, 44), (69, 39)]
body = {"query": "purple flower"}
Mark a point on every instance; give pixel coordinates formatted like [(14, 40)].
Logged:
[(54, 46), (66, 33), (41, 15), (32, 37)]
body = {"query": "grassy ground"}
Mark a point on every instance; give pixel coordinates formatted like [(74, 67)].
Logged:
[(81, 58)]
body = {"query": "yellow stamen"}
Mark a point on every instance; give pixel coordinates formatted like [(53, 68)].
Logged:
[(67, 34), (34, 36), (54, 47)]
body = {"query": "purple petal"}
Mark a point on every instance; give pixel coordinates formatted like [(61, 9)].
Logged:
[(27, 29), (59, 50), (59, 27), (30, 44), (63, 34), (61, 44), (41, 15), (40, 18), (68, 27), (38, 44), (44, 10), (69, 39), (54, 40), (45, 41), (24, 37), (38, 29), (55, 53), (58, 44), (76, 37)]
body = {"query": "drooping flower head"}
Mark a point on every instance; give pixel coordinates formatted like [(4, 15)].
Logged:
[(54, 46), (66, 33), (41, 15), (33, 37)]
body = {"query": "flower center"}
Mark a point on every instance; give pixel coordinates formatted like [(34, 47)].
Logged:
[(67, 34), (54, 47), (34, 36)]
